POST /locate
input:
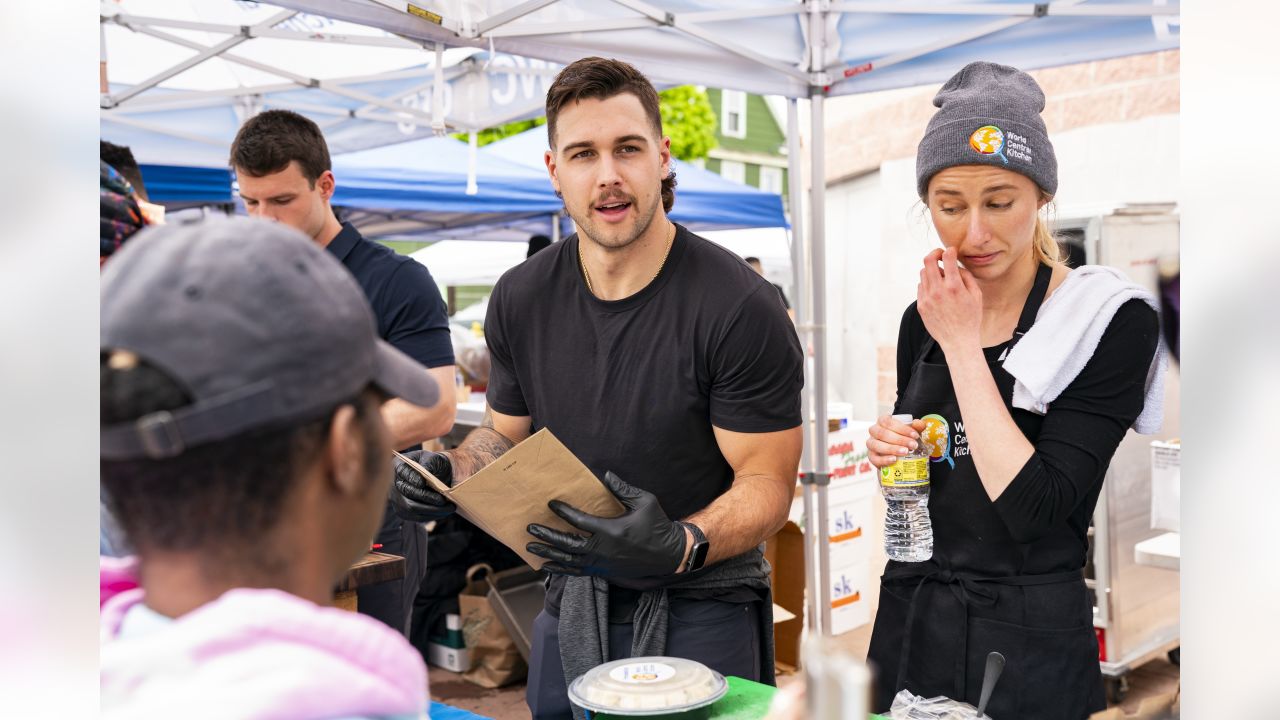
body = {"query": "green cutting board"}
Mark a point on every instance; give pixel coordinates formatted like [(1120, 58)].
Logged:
[(746, 700)]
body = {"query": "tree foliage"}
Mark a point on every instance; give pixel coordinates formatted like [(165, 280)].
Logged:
[(687, 118), (494, 134)]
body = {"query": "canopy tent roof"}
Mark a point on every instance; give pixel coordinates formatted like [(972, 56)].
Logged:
[(364, 86), (762, 46), (183, 76), (704, 200)]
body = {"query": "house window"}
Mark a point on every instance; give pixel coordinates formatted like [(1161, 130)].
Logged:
[(733, 114), (771, 179), (733, 170)]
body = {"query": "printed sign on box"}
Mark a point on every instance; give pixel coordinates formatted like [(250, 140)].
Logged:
[(849, 497), (849, 608)]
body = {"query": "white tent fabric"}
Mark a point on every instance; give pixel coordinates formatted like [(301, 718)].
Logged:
[(470, 262), (800, 49), (763, 46), (180, 78)]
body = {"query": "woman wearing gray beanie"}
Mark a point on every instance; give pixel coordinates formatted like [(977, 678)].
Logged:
[(1023, 377)]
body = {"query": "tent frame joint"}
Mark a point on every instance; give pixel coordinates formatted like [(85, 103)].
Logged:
[(1042, 9)]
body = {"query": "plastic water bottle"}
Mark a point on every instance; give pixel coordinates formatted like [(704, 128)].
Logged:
[(908, 534)]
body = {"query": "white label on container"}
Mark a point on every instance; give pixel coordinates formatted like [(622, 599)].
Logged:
[(641, 673)]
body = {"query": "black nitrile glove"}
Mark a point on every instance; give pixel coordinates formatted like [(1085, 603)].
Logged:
[(642, 542), (412, 497)]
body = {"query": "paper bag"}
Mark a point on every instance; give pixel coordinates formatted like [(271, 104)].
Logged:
[(495, 659), (513, 491)]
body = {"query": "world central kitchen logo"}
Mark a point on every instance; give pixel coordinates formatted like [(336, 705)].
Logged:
[(942, 445)]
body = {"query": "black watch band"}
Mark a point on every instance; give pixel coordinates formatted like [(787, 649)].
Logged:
[(698, 553)]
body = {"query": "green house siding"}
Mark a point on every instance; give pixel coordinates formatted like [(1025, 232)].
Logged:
[(712, 164), (763, 133), (752, 174)]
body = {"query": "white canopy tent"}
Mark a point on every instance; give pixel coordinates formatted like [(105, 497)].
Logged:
[(179, 78), (800, 49)]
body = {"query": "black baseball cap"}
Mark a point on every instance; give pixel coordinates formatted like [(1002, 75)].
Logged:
[(259, 323)]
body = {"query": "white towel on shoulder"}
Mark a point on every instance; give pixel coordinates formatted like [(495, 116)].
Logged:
[(1067, 331)]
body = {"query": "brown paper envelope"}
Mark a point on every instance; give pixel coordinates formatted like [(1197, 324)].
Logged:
[(513, 491)]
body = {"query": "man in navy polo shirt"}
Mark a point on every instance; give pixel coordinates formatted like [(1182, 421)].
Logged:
[(282, 165)]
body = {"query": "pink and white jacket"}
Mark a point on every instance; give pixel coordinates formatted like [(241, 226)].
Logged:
[(253, 654)]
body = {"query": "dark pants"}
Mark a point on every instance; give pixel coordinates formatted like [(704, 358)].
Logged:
[(392, 602), (723, 636)]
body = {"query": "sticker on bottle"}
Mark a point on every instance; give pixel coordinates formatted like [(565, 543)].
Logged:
[(642, 672), (908, 472)]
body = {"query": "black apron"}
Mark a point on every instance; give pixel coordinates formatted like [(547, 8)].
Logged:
[(938, 619)]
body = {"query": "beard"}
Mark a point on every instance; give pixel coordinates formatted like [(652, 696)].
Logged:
[(615, 237)]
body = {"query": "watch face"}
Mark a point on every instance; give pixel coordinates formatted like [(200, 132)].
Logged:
[(699, 555)]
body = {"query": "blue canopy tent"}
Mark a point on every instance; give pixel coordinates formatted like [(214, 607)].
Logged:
[(181, 152), (420, 189), (704, 200)]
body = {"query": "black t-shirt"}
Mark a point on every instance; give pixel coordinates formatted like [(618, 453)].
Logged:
[(1048, 504), (634, 386), (785, 302)]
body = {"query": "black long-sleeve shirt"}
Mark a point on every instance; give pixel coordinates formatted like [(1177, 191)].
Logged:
[(1048, 504)]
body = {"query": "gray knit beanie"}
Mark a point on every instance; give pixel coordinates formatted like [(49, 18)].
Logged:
[(988, 114)]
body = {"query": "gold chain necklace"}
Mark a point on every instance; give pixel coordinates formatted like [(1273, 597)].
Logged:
[(587, 276)]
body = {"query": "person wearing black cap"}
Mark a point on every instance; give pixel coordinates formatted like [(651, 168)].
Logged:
[(1022, 377), (285, 175), (247, 459)]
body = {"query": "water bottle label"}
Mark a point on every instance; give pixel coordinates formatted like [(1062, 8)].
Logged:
[(912, 472)]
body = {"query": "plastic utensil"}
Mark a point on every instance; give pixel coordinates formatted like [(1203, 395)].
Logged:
[(995, 666)]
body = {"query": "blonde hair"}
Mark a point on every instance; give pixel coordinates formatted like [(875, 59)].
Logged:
[(1044, 244)]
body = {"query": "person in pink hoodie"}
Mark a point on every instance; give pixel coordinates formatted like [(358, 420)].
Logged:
[(245, 456)]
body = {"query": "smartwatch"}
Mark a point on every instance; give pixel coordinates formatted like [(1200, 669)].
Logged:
[(698, 554)]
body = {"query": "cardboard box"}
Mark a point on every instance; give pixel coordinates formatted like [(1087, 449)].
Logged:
[(850, 608), (785, 553), (849, 506)]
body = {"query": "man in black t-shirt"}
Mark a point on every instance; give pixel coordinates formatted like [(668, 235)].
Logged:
[(282, 166), (672, 371)]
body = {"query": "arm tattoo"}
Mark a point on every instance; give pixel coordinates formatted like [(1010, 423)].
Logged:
[(481, 447)]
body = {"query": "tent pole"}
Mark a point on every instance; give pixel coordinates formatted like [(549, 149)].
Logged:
[(472, 149), (818, 580), (804, 303), (799, 253), (103, 87), (818, 253)]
